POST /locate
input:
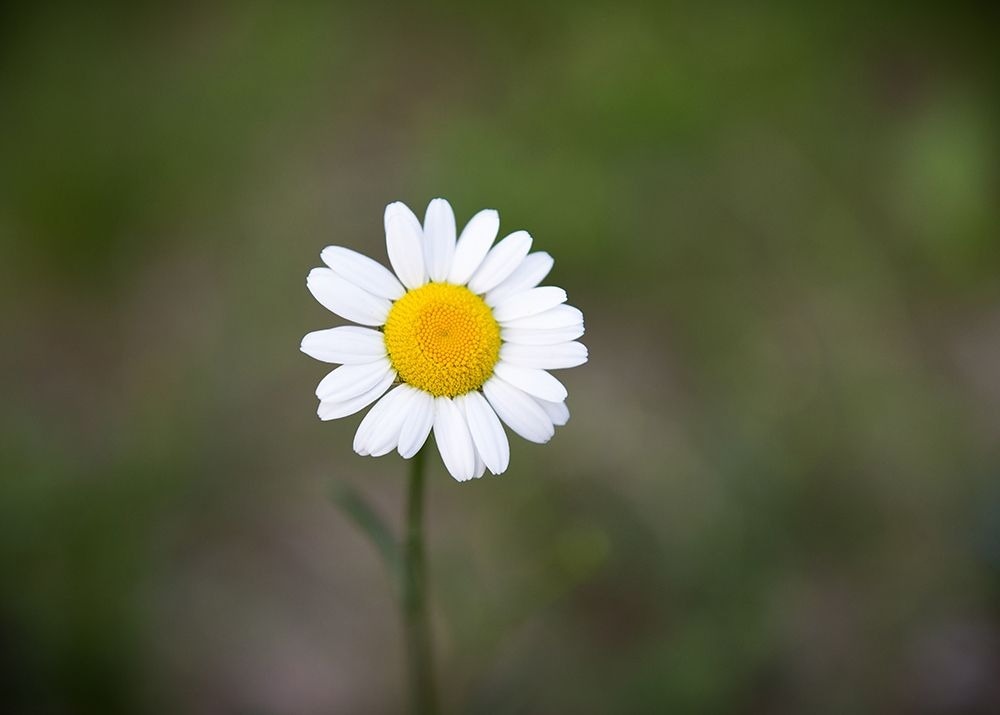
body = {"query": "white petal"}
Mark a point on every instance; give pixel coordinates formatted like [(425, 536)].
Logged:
[(371, 421), (439, 239), (417, 425), (487, 432), (523, 336), (530, 273), (340, 296), (545, 357), (519, 411), (528, 302), (558, 412), (480, 469), (404, 243), (537, 383), (335, 410), (362, 271), (348, 345), (562, 316), (385, 436), (473, 245), (451, 432), (502, 260), (349, 381)]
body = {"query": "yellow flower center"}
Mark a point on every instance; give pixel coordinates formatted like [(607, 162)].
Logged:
[(443, 339)]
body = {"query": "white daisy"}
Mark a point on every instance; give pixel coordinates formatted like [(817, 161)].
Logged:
[(461, 329)]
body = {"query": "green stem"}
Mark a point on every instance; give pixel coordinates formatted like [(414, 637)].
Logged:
[(423, 700)]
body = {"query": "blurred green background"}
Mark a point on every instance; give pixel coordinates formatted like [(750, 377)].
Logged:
[(779, 491)]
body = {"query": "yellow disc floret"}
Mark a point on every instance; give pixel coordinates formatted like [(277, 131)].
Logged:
[(443, 339)]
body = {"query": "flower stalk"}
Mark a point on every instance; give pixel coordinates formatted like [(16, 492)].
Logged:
[(419, 650)]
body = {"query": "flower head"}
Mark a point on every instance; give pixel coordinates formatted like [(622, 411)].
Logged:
[(461, 327)]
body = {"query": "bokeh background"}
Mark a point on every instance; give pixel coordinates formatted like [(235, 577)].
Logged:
[(779, 491)]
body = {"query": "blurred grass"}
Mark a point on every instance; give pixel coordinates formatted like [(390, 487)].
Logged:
[(777, 492)]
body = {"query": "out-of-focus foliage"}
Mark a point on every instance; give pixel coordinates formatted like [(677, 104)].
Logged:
[(780, 488)]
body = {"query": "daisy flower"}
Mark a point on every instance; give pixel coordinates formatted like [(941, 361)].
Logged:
[(459, 339)]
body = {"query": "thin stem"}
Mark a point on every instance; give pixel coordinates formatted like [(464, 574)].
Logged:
[(423, 700)]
